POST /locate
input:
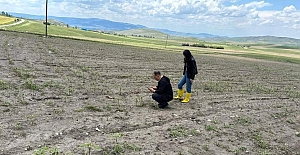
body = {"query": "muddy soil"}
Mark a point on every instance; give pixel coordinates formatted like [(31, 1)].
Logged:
[(64, 96)]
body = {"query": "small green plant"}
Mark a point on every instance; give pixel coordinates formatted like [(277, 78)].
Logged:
[(195, 132), (69, 91), (90, 146), (210, 128), (24, 74), (244, 121), (31, 119), (108, 107), (6, 110), (216, 86), (11, 62), (117, 149), (41, 151), (5, 104), (177, 131), (240, 150), (50, 84), (23, 134), (54, 151), (266, 152), (29, 84), (93, 108), (132, 147), (4, 85), (18, 126), (290, 121), (49, 103), (59, 111), (45, 150), (116, 136), (259, 141), (139, 102), (205, 147)]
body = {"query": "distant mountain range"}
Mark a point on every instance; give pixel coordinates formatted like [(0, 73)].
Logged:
[(86, 23), (198, 35), (107, 25)]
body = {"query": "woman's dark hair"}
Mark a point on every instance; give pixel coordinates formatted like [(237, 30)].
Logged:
[(188, 55)]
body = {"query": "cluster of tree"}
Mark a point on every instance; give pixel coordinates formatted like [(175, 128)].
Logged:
[(122, 35), (134, 35), (5, 14), (243, 46), (47, 23), (203, 46)]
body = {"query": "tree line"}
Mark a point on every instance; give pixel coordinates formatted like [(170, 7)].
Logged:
[(203, 46), (3, 13)]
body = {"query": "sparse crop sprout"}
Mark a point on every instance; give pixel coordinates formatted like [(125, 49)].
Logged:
[(210, 127), (29, 84), (4, 85), (89, 147)]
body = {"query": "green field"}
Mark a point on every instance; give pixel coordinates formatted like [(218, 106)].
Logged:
[(274, 52)]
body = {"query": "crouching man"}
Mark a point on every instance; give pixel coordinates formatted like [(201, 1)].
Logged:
[(162, 93)]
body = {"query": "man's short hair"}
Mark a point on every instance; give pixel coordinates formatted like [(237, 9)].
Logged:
[(156, 73)]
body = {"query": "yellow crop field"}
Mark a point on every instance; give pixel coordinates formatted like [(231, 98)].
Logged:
[(5, 20)]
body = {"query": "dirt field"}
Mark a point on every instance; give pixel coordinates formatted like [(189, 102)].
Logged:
[(63, 96)]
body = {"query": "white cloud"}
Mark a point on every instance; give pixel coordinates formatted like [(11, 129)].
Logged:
[(289, 9), (267, 22)]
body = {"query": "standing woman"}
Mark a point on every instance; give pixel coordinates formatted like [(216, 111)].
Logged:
[(189, 72)]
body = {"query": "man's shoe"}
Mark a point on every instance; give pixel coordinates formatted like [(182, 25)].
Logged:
[(162, 106)]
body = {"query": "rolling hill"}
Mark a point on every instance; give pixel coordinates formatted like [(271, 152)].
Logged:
[(129, 29), (6, 20), (258, 40), (86, 23)]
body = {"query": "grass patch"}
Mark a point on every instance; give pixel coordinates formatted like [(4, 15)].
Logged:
[(29, 84), (257, 88), (4, 85), (22, 73), (177, 132), (259, 141), (212, 86), (93, 108), (5, 104), (269, 57), (244, 121), (210, 128), (287, 47)]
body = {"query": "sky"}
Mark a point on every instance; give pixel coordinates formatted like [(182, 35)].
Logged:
[(232, 18)]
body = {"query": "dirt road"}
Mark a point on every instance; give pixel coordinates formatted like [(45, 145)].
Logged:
[(16, 23)]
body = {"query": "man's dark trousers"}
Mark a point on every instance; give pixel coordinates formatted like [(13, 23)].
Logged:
[(161, 99)]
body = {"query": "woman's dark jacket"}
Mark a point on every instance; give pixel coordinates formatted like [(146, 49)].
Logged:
[(190, 67)]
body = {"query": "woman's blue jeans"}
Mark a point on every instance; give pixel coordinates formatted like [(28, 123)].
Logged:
[(187, 81)]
